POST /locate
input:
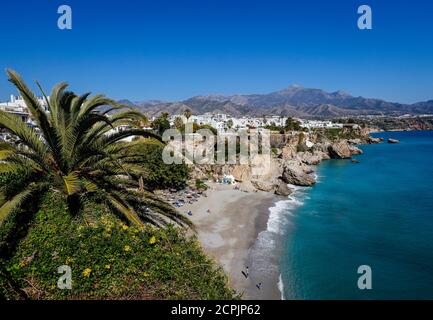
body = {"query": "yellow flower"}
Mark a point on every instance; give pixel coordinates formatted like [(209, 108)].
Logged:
[(152, 240), (127, 248), (87, 272), (68, 260), (125, 227), (108, 266), (146, 274)]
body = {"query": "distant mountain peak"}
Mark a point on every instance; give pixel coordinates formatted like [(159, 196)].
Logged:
[(341, 93), (293, 87)]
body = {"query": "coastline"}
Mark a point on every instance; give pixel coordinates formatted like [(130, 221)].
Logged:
[(247, 227), (230, 232)]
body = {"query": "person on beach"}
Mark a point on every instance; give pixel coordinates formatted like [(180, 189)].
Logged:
[(259, 285), (246, 273)]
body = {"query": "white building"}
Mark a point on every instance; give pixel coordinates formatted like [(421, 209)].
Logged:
[(221, 121), (17, 106), (319, 124)]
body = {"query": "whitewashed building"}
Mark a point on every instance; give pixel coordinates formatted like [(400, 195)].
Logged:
[(221, 121), (16, 105), (319, 124)]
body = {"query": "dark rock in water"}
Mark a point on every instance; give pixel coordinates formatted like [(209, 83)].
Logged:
[(355, 161), (297, 177), (393, 140), (282, 189), (371, 140), (355, 150), (340, 150)]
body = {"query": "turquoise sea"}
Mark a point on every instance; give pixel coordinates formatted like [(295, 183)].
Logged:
[(378, 212)]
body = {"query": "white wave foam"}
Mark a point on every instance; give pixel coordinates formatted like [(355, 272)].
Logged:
[(281, 286), (279, 214), (279, 218)]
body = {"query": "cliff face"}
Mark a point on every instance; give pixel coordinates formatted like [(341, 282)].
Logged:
[(292, 161)]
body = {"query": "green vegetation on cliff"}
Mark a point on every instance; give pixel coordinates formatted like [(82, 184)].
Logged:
[(156, 174), (108, 258)]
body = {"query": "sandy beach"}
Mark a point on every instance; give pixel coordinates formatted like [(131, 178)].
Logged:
[(229, 231)]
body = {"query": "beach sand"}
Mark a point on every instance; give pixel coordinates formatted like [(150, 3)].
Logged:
[(228, 234)]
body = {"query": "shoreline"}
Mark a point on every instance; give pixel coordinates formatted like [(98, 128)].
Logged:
[(230, 232), (243, 228)]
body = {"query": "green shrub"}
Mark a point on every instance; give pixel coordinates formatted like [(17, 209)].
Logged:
[(200, 184), (157, 174), (109, 259)]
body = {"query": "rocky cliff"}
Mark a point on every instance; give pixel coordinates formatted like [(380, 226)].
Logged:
[(292, 161)]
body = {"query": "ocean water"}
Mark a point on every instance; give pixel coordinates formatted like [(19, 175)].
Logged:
[(377, 213)]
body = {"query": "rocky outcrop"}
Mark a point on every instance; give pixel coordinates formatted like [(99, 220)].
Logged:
[(197, 173), (393, 140), (340, 150), (297, 177), (343, 150), (288, 163), (241, 172), (263, 185), (288, 152), (279, 188), (371, 140), (354, 141), (355, 150), (313, 158), (282, 189)]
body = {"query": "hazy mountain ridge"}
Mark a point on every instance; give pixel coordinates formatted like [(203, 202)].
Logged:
[(292, 101)]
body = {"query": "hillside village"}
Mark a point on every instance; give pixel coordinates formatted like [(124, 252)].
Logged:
[(221, 122)]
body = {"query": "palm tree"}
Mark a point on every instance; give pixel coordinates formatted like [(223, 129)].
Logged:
[(187, 113), (178, 123), (78, 152)]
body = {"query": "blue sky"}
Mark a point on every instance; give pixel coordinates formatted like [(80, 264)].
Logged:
[(176, 49)]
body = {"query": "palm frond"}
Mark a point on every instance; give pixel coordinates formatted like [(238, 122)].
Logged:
[(17, 201), (124, 208), (72, 183)]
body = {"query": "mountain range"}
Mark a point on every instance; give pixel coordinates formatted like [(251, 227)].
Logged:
[(293, 101)]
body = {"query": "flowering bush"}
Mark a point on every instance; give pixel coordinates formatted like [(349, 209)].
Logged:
[(108, 259)]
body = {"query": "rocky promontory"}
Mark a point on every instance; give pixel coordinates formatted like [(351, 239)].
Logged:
[(294, 175), (292, 162)]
